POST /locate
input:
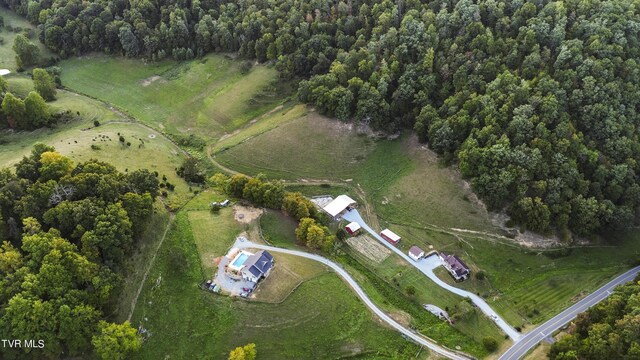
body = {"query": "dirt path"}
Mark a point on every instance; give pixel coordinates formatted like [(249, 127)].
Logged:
[(220, 166), (146, 273)]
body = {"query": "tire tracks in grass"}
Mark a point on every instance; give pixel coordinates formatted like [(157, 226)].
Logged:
[(150, 265)]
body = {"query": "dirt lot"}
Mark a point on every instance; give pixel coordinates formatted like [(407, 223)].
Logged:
[(245, 214), (369, 247)]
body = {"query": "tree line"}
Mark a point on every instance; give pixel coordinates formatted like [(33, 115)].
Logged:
[(311, 231), (68, 228), (609, 330), (32, 112), (536, 100)]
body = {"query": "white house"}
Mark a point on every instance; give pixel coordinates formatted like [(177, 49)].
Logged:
[(257, 266), (416, 253)]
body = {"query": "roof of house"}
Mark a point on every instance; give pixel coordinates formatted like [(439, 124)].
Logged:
[(354, 226), (259, 263), (456, 264), (390, 235), (337, 205), (416, 251)]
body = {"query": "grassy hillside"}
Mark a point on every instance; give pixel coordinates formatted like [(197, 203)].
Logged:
[(320, 320), (310, 146), (207, 97)]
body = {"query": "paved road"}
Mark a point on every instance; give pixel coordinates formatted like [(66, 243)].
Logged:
[(529, 340), (243, 243), (426, 266)]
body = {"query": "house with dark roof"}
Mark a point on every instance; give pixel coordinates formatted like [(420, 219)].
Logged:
[(258, 266), (456, 267)]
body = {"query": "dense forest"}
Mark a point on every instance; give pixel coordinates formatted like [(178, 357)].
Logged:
[(609, 330), (70, 226), (536, 100)]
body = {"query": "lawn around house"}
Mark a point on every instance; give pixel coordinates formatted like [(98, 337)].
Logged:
[(289, 273)]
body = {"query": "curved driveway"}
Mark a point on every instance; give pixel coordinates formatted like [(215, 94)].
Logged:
[(426, 266), (533, 337), (243, 243)]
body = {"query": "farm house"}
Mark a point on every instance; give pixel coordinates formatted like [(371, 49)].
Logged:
[(456, 267), (416, 253)]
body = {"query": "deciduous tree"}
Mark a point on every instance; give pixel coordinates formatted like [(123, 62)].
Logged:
[(44, 84)]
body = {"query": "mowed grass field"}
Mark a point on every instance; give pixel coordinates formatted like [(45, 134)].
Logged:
[(207, 97), (7, 55), (279, 230), (321, 319), (289, 273), (310, 146)]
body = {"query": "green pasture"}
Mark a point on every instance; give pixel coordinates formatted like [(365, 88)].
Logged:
[(310, 146), (207, 97)]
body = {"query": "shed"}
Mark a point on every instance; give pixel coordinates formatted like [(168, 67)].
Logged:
[(390, 236), (353, 228)]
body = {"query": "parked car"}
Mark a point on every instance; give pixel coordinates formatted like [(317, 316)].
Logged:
[(244, 294)]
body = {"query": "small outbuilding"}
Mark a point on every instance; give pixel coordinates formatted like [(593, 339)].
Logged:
[(456, 267), (225, 203), (339, 206), (416, 253), (353, 228), (390, 236)]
